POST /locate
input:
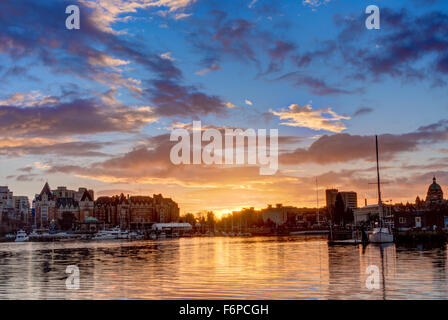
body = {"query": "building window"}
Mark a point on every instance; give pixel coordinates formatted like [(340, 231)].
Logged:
[(402, 220)]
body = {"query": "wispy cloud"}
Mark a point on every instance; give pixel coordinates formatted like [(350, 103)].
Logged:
[(306, 117)]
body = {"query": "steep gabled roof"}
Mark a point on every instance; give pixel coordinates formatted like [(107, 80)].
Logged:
[(66, 202), (86, 196), (46, 190)]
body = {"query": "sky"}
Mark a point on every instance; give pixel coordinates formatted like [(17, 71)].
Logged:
[(95, 107)]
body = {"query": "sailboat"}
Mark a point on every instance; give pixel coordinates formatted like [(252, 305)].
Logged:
[(380, 234)]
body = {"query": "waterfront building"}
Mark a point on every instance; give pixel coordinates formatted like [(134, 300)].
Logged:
[(426, 215), (277, 214), (22, 208), (62, 206), (14, 210), (367, 214), (350, 198), (86, 204), (45, 207), (136, 212), (435, 193), (6, 201), (106, 210), (330, 197), (291, 216)]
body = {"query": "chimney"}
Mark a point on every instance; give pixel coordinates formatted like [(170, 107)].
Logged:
[(365, 200)]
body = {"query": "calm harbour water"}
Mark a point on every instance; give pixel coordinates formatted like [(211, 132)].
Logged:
[(220, 268)]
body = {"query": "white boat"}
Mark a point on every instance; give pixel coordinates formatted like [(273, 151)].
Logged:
[(21, 236), (135, 236), (153, 236), (34, 234), (345, 242), (162, 235), (114, 234), (381, 235), (123, 235)]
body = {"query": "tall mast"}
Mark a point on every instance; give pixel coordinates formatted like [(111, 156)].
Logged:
[(317, 203), (380, 203), (378, 172)]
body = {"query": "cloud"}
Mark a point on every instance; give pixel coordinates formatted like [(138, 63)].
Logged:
[(84, 52), (83, 116), (40, 165), (219, 36), (203, 72), (314, 3), (315, 85), (230, 105), (252, 4), (173, 99), (362, 111), (66, 149), (344, 147), (26, 177), (107, 12), (182, 16), (167, 56), (105, 60), (406, 41), (306, 117), (26, 169), (29, 99), (248, 102)]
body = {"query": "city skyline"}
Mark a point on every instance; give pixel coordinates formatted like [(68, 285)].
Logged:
[(94, 107)]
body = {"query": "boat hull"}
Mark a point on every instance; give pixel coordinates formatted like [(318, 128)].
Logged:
[(381, 237)]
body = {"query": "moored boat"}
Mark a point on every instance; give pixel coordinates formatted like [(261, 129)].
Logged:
[(21, 236), (381, 235)]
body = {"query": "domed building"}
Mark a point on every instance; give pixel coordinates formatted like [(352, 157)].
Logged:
[(435, 193), (432, 214)]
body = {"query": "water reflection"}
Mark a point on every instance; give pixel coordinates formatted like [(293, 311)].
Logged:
[(217, 268)]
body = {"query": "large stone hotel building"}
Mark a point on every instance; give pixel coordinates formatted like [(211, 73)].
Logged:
[(68, 208)]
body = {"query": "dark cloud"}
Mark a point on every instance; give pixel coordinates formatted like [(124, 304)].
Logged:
[(316, 86), (404, 41), (172, 99), (346, 147), (91, 53), (72, 118), (219, 36), (362, 111), (69, 149), (26, 177)]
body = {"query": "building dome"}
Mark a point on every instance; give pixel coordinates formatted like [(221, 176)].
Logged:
[(435, 193), (434, 186), (91, 220)]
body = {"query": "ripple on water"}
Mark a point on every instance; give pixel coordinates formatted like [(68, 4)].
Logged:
[(220, 268)]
